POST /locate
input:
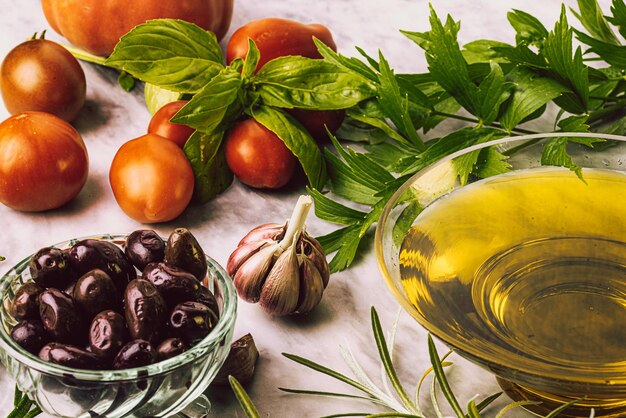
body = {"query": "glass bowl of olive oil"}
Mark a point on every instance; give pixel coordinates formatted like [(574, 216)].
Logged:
[(521, 267)]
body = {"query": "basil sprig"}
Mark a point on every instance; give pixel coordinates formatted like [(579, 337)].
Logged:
[(181, 57)]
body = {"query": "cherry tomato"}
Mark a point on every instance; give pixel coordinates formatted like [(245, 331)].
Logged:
[(41, 75), (96, 25), (257, 156), (281, 37), (43, 162), (151, 179), (160, 124), (278, 38)]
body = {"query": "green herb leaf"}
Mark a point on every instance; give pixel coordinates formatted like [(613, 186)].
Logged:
[(297, 139), (156, 97), (529, 30), (244, 400), (379, 124), (611, 53), (576, 123), (343, 182), (394, 105), (482, 51), (329, 210), (350, 64), (307, 83), (252, 59), (172, 54), (216, 104), (572, 71), (530, 93), (447, 65), (591, 16), (126, 81), (469, 163), (492, 92), (618, 9), (2, 258), (206, 154)]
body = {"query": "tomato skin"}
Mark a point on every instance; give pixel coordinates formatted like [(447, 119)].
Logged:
[(316, 122), (258, 157), (41, 75), (43, 162), (151, 179), (160, 124), (276, 37), (96, 25)]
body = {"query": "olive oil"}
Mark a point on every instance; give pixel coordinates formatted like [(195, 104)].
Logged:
[(530, 263)]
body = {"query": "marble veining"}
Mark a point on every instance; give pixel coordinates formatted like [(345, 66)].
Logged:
[(111, 117)]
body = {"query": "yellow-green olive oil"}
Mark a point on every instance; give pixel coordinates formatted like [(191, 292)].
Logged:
[(533, 261)]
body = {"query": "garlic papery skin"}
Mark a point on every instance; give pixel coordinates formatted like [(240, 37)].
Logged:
[(281, 266)]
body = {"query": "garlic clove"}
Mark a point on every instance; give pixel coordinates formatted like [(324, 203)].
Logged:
[(242, 253), (311, 286), (280, 292), (250, 276), (310, 247), (270, 231)]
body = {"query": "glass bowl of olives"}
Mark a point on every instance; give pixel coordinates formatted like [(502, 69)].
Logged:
[(116, 325)]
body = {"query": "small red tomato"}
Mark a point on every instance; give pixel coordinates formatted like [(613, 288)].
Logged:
[(43, 162), (257, 156), (316, 121), (278, 38), (151, 179), (160, 124), (41, 75)]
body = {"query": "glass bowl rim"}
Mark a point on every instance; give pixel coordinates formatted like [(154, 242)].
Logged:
[(479, 355), (224, 324)]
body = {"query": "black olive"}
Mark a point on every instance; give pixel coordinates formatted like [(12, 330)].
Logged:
[(95, 292), (170, 348), (25, 303), (60, 317), (90, 254), (70, 356), (192, 321), (174, 284), (206, 297), (184, 252), (145, 310), (144, 246), (50, 267), (30, 335), (136, 353), (107, 334)]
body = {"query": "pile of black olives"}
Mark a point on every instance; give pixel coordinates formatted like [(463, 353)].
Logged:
[(87, 307)]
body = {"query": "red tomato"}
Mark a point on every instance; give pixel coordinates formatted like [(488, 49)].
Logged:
[(316, 121), (41, 75), (160, 124), (257, 156), (151, 179), (43, 162), (278, 38)]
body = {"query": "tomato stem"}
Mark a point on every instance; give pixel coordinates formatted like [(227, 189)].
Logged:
[(296, 222)]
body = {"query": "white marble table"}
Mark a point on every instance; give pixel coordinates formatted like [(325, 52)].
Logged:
[(111, 117)]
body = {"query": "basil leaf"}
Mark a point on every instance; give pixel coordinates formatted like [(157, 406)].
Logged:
[(172, 54), (307, 83), (156, 97), (218, 103), (591, 16), (297, 139), (573, 72), (529, 30), (530, 93), (208, 161), (252, 59)]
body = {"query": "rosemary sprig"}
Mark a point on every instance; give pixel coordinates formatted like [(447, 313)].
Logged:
[(23, 406)]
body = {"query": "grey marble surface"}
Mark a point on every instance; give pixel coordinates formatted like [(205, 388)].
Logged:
[(111, 117)]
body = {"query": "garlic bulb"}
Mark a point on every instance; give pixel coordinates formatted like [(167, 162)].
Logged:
[(280, 266)]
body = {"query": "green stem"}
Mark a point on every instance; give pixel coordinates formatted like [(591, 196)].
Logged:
[(85, 56), (473, 120)]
